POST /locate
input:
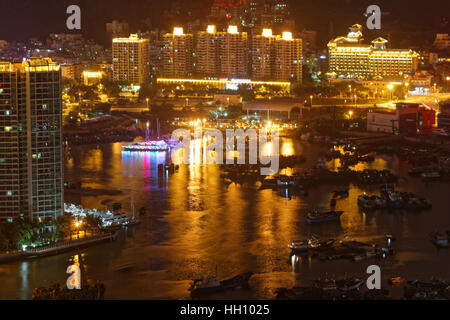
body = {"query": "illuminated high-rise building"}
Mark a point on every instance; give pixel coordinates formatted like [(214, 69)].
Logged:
[(233, 48), (178, 54), (131, 59), (349, 58), (288, 58), (31, 185), (208, 65), (263, 55), (277, 58)]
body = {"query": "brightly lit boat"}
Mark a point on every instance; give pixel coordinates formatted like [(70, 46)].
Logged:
[(150, 145)]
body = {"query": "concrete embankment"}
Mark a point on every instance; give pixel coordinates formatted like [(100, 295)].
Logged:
[(57, 248)]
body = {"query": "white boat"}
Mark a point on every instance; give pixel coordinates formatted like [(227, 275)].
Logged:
[(430, 176)]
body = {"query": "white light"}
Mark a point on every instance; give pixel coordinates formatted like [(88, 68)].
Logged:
[(211, 29), (232, 29), (178, 31), (287, 35), (267, 32)]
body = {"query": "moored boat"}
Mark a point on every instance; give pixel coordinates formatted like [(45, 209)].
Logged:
[(315, 216), (366, 202), (303, 245), (431, 176), (396, 280), (349, 284), (201, 287), (394, 200), (439, 240)]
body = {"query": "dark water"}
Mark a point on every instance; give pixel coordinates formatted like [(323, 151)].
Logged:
[(194, 223)]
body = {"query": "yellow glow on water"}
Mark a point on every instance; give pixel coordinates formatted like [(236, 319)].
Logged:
[(287, 148)]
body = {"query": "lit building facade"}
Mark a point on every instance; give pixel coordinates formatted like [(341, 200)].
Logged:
[(131, 59), (349, 58), (208, 65), (178, 54), (288, 58), (233, 48), (31, 184), (263, 55), (277, 58)]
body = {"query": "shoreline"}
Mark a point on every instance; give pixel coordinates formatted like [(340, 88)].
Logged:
[(57, 248)]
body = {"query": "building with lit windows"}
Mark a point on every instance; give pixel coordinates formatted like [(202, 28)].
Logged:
[(288, 58), (233, 48), (31, 185), (178, 53), (349, 58), (263, 55), (131, 59), (277, 58), (208, 65)]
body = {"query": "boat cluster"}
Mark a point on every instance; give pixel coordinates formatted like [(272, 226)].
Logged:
[(352, 288), (389, 198), (434, 290), (346, 249), (327, 288), (56, 292)]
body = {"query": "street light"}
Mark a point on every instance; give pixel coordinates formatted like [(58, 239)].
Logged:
[(311, 97), (390, 87), (147, 100)]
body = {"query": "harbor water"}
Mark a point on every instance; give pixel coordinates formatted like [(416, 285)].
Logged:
[(196, 224)]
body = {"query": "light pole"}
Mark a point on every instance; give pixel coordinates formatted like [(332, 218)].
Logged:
[(390, 87), (311, 97), (147, 100)]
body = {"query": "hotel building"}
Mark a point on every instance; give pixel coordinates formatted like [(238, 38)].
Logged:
[(178, 54), (131, 59), (31, 185), (349, 58)]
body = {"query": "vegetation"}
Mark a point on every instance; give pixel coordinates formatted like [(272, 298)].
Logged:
[(21, 232)]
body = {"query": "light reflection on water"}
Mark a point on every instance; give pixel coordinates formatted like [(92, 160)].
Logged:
[(195, 222)]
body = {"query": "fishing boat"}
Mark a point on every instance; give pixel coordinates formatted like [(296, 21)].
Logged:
[(415, 203), (303, 245), (394, 200), (325, 284), (349, 284), (315, 216), (356, 245), (396, 280), (201, 287), (366, 202), (439, 240), (431, 176), (380, 202)]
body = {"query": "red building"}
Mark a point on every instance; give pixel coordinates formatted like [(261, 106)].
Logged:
[(414, 119), (408, 119)]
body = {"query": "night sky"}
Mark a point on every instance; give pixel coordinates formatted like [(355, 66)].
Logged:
[(22, 19)]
